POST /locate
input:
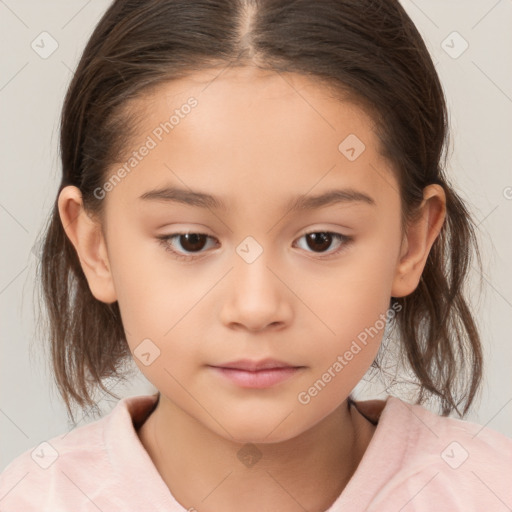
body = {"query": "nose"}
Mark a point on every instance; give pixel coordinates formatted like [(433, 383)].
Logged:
[(255, 298)]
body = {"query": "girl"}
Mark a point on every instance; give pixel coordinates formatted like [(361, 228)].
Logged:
[(252, 198)]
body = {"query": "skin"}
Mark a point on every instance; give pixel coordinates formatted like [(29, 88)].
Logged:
[(255, 140)]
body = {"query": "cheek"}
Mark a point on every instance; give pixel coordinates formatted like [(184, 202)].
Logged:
[(352, 301), (153, 292), (353, 293), (166, 309)]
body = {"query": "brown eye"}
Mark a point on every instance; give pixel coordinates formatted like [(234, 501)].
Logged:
[(319, 242), (185, 245), (192, 241)]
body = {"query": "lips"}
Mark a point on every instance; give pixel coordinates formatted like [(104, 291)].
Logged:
[(254, 366), (261, 374)]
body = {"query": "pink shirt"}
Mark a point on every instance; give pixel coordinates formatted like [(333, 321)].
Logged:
[(416, 461)]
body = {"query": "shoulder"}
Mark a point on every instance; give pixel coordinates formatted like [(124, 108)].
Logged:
[(444, 462), (51, 464), (460, 440), (70, 468)]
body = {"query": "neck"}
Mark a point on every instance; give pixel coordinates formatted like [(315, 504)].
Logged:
[(209, 472)]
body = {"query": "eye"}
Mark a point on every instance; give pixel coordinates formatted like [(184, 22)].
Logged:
[(190, 243), (319, 241)]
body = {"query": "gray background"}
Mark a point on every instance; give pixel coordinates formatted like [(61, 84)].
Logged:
[(478, 86)]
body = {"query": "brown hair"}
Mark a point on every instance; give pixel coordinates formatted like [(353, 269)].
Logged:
[(370, 51)]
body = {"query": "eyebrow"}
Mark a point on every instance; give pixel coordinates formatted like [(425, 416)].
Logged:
[(300, 203)]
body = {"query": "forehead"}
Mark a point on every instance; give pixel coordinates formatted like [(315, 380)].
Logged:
[(232, 94), (247, 128)]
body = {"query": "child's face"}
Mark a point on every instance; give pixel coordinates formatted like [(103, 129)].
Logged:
[(256, 142)]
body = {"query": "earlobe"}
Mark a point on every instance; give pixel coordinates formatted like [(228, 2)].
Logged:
[(420, 236), (86, 235)]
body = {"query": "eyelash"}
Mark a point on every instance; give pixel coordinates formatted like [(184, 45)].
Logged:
[(164, 241)]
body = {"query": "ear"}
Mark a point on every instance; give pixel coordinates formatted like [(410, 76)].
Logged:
[(421, 234), (86, 236)]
